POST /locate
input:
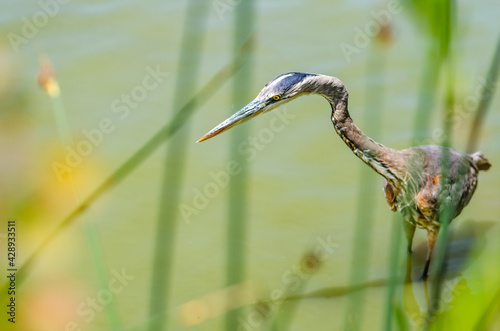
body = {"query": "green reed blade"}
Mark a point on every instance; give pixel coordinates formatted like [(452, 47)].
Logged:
[(89, 227), (173, 171), (367, 188), (238, 185), (396, 247), (487, 93)]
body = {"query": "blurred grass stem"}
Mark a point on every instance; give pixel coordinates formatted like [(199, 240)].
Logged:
[(437, 271), (89, 227), (487, 93), (238, 185), (395, 248), (368, 185), (173, 171)]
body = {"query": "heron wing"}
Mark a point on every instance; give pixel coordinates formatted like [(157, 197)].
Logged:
[(460, 185)]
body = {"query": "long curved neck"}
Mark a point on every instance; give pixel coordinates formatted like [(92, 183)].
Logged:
[(385, 161)]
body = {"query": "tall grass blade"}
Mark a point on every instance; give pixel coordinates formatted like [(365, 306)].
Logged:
[(373, 118), (50, 85), (396, 247), (173, 171), (426, 100), (446, 214), (434, 19), (237, 191), (438, 17), (487, 93)]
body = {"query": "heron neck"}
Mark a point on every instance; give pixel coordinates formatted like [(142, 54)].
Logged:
[(385, 161)]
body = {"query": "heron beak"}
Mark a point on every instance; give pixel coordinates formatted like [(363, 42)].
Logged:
[(253, 109)]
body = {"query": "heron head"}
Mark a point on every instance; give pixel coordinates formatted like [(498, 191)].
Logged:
[(277, 92)]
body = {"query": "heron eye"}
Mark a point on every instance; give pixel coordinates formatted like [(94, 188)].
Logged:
[(276, 97)]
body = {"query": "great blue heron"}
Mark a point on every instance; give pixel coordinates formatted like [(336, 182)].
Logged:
[(417, 184)]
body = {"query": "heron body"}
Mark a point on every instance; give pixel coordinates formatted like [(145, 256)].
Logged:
[(421, 182)]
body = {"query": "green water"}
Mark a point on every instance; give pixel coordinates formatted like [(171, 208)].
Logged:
[(303, 180)]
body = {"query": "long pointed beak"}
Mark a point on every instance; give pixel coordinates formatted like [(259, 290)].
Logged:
[(253, 109)]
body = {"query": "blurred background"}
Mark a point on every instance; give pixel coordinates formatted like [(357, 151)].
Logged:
[(125, 223)]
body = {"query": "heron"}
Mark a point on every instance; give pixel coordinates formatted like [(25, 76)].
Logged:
[(420, 182)]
